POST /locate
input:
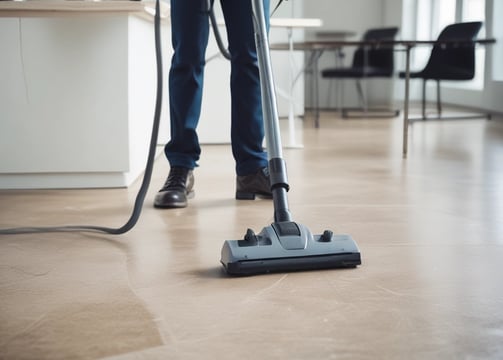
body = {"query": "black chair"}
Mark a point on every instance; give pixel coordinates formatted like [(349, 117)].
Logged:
[(449, 61), (372, 60)]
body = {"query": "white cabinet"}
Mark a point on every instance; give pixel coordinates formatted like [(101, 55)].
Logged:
[(77, 95)]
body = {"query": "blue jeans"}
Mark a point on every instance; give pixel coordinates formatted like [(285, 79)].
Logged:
[(190, 31)]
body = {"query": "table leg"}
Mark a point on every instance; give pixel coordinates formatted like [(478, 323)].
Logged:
[(316, 90), (292, 80), (406, 101), (312, 65)]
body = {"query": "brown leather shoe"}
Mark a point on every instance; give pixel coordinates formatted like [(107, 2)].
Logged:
[(176, 190), (248, 186)]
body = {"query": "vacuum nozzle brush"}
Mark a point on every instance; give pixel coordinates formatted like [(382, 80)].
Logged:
[(288, 246)]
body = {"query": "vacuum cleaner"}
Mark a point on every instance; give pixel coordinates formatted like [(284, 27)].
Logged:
[(284, 245)]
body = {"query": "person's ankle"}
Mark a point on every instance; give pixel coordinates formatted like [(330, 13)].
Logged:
[(256, 184)]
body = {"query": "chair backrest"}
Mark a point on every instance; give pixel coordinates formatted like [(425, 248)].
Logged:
[(454, 61), (378, 60)]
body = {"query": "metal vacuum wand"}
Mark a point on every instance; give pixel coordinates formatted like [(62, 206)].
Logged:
[(277, 166)]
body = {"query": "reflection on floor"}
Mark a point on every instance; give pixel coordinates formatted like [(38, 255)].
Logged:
[(430, 229)]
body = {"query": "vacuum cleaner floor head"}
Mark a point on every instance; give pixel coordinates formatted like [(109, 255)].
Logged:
[(288, 246)]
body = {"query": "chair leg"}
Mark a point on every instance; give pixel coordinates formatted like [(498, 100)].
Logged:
[(424, 99), (439, 102), (340, 96), (363, 101), (317, 95)]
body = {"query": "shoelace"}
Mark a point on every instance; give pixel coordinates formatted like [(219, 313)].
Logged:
[(177, 179)]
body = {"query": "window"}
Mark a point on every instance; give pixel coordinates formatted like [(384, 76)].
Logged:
[(497, 59), (432, 17), (474, 10)]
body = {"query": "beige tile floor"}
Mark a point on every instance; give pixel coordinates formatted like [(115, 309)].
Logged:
[(430, 230)]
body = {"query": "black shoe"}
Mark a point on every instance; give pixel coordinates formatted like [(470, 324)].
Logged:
[(176, 190), (255, 184)]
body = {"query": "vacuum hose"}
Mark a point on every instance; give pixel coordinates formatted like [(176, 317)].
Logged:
[(216, 32)]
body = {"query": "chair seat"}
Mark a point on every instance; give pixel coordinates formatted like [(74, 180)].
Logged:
[(452, 73), (355, 72)]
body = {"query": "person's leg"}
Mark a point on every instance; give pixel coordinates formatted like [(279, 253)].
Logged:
[(189, 29), (247, 129)]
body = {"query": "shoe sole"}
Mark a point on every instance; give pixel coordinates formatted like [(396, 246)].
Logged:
[(176, 205), (243, 195)]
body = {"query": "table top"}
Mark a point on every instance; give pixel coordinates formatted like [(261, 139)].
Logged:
[(288, 22), (334, 34), (336, 44), (62, 7), (295, 22)]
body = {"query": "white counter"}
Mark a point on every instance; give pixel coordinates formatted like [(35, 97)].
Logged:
[(77, 93)]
